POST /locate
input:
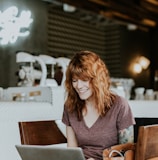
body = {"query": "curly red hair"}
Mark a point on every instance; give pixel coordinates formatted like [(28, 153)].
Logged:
[(88, 65)]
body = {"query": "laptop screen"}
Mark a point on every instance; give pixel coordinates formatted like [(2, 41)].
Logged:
[(37, 152)]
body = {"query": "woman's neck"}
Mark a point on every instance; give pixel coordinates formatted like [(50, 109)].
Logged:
[(90, 103)]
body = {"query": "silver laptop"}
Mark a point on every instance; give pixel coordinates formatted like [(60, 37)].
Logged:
[(36, 152)]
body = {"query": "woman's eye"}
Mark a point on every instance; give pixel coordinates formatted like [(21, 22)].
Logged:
[(74, 80), (86, 80)]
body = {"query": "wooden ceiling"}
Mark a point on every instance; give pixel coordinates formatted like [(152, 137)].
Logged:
[(142, 13)]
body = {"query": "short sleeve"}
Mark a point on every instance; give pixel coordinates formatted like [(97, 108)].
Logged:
[(65, 118), (125, 115)]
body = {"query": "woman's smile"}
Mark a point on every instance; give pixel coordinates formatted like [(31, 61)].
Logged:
[(82, 88)]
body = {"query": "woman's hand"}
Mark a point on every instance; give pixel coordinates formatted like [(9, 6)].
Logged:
[(90, 159)]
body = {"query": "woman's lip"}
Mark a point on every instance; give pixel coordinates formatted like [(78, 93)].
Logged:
[(82, 91)]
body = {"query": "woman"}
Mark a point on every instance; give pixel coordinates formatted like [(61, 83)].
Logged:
[(95, 117)]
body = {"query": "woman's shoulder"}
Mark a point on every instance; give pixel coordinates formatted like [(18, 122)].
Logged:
[(119, 100), (69, 112)]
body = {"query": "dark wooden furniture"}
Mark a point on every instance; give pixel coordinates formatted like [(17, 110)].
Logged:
[(40, 133)]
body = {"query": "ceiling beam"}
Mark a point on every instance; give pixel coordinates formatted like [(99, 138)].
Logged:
[(131, 11)]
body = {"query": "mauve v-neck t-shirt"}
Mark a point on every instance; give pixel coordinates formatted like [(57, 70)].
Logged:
[(104, 132)]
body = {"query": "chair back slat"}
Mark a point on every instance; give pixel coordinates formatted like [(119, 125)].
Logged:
[(40, 133), (147, 143)]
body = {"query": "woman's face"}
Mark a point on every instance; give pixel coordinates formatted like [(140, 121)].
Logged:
[(83, 88)]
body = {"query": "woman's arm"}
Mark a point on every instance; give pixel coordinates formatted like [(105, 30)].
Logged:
[(126, 135), (71, 138)]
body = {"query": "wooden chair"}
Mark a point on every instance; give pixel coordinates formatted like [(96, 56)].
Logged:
[(40, 133), (147, 143)]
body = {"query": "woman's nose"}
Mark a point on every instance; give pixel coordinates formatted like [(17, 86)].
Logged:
[(79, 84)]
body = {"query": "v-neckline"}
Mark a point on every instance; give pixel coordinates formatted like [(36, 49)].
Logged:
[(95, 122)]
